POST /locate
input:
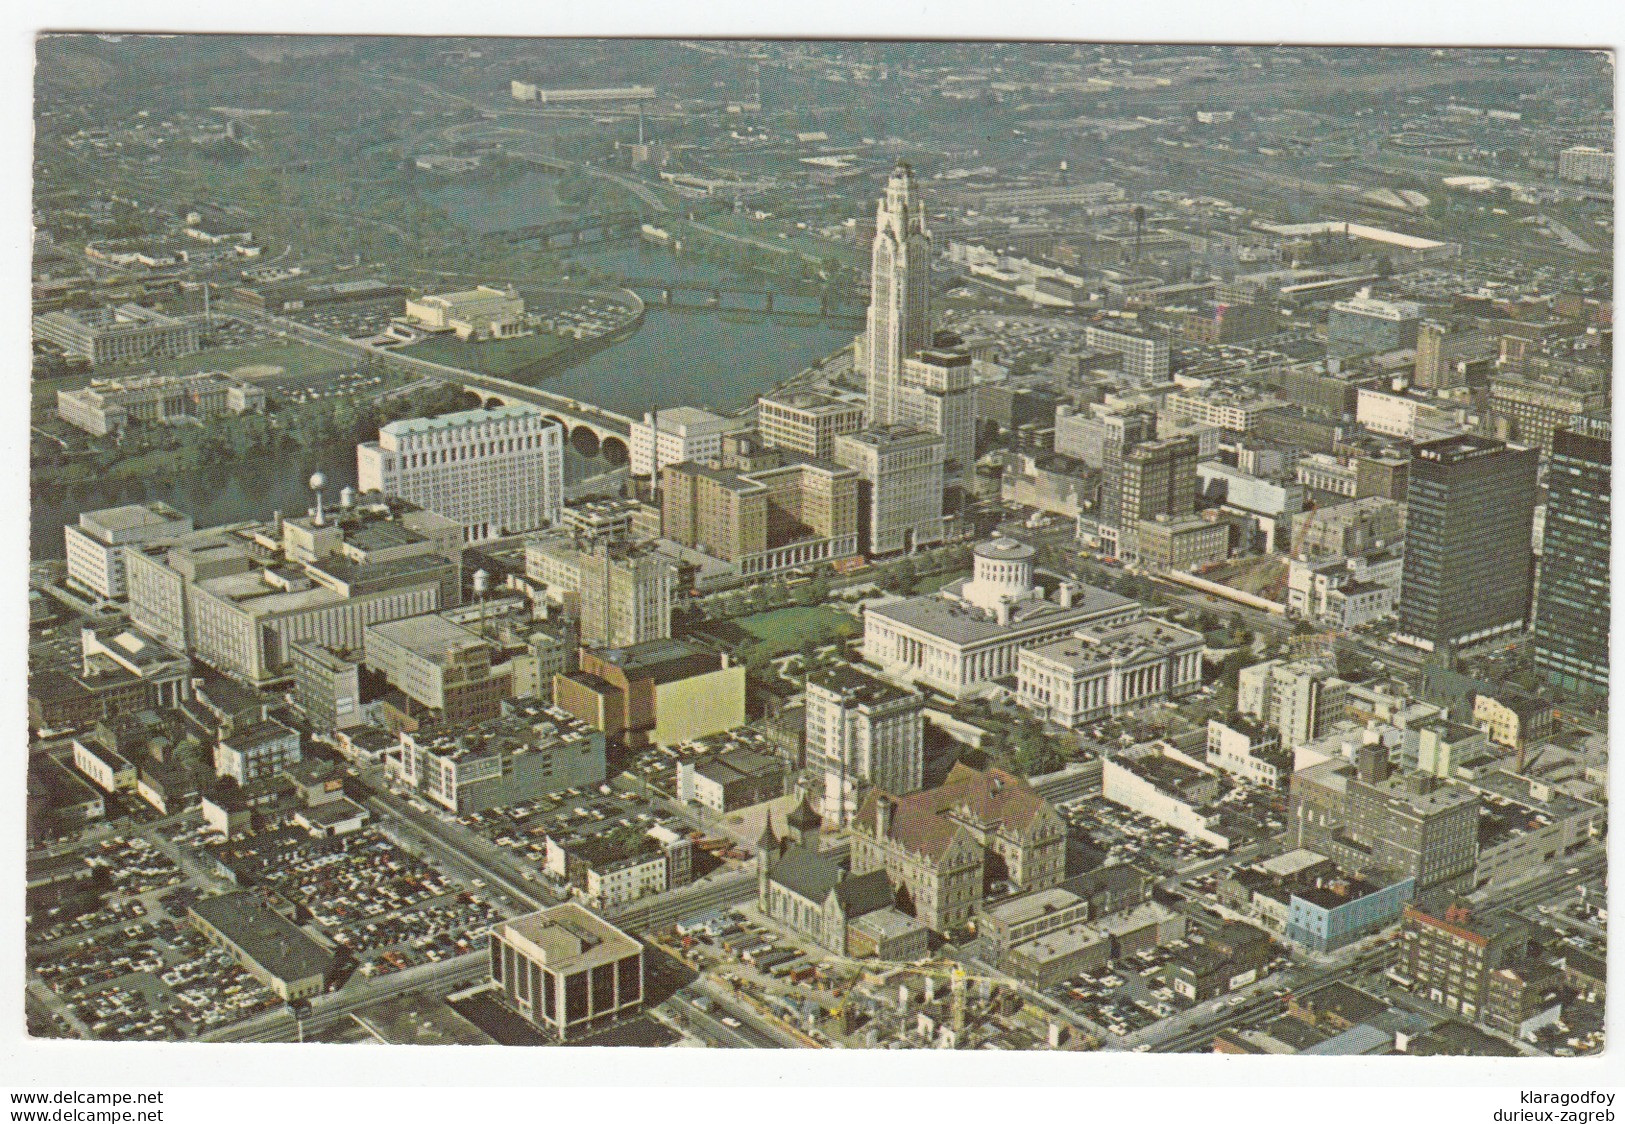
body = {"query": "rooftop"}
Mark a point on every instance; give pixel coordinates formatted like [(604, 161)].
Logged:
[(737, 765), (1027, 907), (1061, 943), (958, 622), (131, 517), (1089, 649), (431, 636), (858, 686), (273, 942), (459, 418), (567, 938)]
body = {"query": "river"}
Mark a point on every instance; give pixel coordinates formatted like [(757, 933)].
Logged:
[(717, 360)]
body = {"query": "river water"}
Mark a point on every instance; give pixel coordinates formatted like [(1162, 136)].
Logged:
[(714, 359)]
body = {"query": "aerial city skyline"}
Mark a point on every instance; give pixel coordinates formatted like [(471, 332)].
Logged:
[(1043, 547)]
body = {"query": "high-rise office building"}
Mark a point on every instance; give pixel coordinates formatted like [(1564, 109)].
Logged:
[(675, 435), (1300, 699), (1571, 605), (1585, 164), (899, 293), (939, 395), (497, 472), (806, 422), (863, 731), (1468, 541), (1364, 324), (1441, 350), (1158, 478), (1145, 357), (97, 543), (625, 595), (900, 489)]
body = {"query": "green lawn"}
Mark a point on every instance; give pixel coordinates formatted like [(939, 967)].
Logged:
[(784, 630), (930, 583), (502, 358), (293, 358)]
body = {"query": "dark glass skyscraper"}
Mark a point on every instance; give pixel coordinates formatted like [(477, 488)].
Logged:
[(1468, 541), (1571, 610)]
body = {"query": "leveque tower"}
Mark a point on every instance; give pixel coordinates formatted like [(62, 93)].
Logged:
[(899, 294)]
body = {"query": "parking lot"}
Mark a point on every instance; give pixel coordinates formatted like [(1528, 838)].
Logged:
[(136, 969), (1127, 836), (357, 321), (310, 388), (369, 894), (1126, 996)]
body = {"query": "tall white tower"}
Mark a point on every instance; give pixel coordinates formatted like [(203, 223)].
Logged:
[(899, 292)]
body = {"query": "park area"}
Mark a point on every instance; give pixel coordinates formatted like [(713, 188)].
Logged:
[(765, 636), (786, 630), (256, 361), (502, 358)]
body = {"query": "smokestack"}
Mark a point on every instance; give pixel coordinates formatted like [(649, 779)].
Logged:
[(883, 808)]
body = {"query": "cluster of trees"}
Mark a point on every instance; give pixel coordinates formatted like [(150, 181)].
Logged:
[(186, 448)]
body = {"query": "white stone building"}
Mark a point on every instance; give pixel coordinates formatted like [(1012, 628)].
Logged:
[(497, 472)]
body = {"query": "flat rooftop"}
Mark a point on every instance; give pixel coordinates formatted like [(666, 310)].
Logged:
[(1087, 649), (568, 938), (858, 686), (460, 418), (1029, 907), (958, 622), (417, 1021), (1061, 943), (430, 636), (273, 942), (131, 517)]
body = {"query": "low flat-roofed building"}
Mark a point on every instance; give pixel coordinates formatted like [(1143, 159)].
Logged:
[(253, 752), (612, 869), (888, 934), (1157, 780), (731, 780), (1526, 825), (275, 951), (167, 788), (1249, 751), (1148, 925), (106, 766), (1333, 912), (1058, 954), (1296, 863), (1026, 916), (1112, 888), (59, 799), (530, 750), (117, 334), (566, 970), (336, 817), (419, 1021)]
